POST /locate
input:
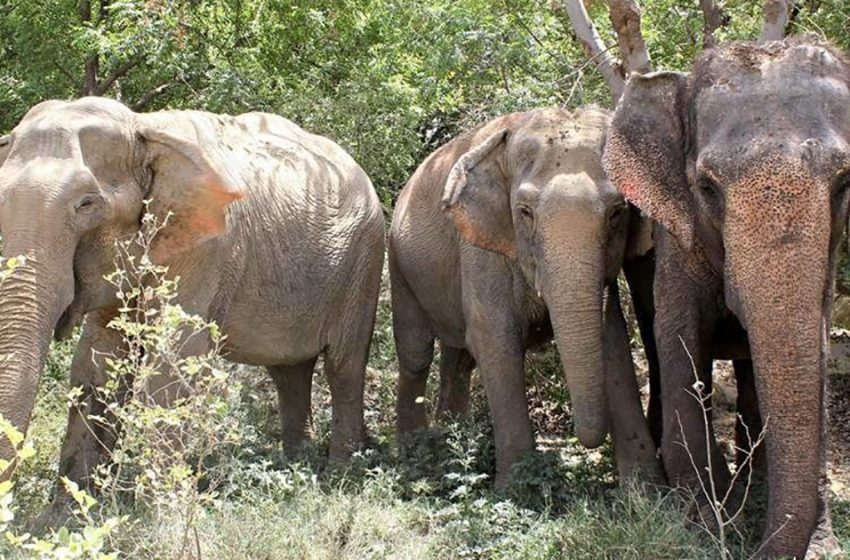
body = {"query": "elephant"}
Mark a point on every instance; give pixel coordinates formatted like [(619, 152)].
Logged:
[(744, 166), (276, 234), (502, 239)]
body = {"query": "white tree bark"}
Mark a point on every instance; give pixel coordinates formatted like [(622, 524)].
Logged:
[(775, 20), (593, 46), (625, 17)]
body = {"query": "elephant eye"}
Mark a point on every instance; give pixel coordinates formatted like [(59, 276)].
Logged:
[(617, 217), (525, 212), (709, 188), (86, 202)]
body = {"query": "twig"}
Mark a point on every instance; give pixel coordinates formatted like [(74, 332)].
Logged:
[(718, 506)]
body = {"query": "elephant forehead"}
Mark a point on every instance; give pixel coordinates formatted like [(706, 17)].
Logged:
[(41, 176), (818, 154), (769, 108), (85, 137), (781, 90), (581, 192)]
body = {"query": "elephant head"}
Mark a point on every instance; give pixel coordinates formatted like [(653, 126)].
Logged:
[(535, 191), (746, 163), (73, 180)]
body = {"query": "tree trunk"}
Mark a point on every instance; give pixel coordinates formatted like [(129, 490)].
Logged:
[(92, 64), (625, 18), (712, 20), (775, 19)]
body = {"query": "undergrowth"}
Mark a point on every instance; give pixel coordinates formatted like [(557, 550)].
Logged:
[(429, 496)]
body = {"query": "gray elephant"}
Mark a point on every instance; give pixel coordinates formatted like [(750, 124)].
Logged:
[(502, 237), (276, 234), (745, 166)]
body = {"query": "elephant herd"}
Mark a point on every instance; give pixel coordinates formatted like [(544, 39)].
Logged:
[(721, 194)]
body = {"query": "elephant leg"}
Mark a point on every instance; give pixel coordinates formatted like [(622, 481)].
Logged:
[(294, 385), (455, 370), (346, 355), (501, 362), (414, 343), (640, 274), (496, 337), (684, 323), (633, 445), (497, 345), (346, 374), (748, 425), (88, 442)]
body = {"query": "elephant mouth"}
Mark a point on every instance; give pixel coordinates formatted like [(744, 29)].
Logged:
[(71, 318)]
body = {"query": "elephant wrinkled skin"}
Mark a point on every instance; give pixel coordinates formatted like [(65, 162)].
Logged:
[(276, 234), (506, 237), (744, 165)]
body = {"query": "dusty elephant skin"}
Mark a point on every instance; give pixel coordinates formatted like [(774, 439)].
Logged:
[(276, 234), (744, 166), (505, 237)]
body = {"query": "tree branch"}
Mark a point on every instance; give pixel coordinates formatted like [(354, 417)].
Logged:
[(149, 95), (596, 51), (119, 72), (775, 19), (64, 71), (713, 18), (625, 17)]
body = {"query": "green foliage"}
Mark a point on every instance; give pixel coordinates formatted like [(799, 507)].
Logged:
[(388, 79)]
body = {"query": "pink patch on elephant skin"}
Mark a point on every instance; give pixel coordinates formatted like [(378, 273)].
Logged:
[(630, 190)]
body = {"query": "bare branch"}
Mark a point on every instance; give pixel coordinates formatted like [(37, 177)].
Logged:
[(145, 99), (625, 17), (596, 51), (775, 19), (64, 71), (119, 72), (713, 19)]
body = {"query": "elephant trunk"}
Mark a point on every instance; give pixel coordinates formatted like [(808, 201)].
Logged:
[(790, 375), (574, 297), (787, 330), (32, 299)]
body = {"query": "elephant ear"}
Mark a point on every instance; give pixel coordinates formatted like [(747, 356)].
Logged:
[(477, 197), (5, 147), (187, 186), (646, 147)]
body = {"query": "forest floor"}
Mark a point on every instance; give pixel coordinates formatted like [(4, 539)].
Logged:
[(429, 498)]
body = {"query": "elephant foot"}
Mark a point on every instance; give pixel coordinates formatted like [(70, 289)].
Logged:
[(824, 544), (413, 421), (341, 449), (640, 470), (58, 513), (502, 480)]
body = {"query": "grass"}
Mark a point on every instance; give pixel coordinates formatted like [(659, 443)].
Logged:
[(430, 497)]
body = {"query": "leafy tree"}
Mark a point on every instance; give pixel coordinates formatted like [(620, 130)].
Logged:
[(388, 79)]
